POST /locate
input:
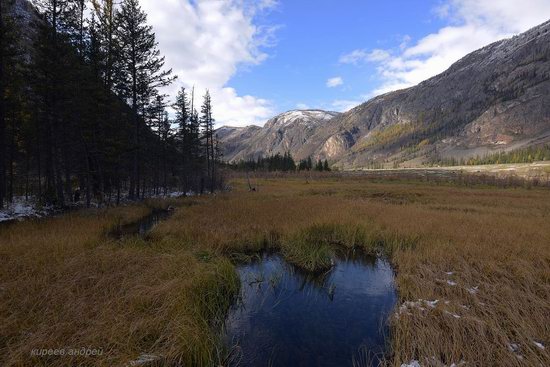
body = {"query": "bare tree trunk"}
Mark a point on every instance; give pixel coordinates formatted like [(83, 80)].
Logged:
[(11, 163), (2, 114)]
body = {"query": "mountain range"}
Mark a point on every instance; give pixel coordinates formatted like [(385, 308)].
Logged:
[(494, 99)]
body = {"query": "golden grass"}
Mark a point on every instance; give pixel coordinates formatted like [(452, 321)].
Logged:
[(63, 284)]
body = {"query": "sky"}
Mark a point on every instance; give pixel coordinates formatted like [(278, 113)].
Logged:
[(259, 58)]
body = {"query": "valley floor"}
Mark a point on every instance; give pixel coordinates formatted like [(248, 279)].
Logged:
[(536, 170), (472, 270)]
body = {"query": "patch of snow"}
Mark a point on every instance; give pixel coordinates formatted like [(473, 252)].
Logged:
[(539, 345), (451, 283), (473, 290), (407, 306), (450, 273), (304, 117), (21, 209), (453, 315), (513, 347), (432, 362), (145, 359), (173, 194), (432, 304)]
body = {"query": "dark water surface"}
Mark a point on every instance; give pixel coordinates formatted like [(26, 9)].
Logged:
[(142, 226), (289, 318)]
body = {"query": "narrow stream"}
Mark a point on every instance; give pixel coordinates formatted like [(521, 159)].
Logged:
[(142, 226), (286, 317)]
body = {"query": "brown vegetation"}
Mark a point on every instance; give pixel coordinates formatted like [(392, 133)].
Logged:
[(483, 253)]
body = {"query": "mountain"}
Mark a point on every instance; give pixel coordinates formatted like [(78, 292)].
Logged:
[(494, 99), (287, 132)]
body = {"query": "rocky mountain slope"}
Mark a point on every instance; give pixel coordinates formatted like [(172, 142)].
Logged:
[(494, 99), (287, 132)]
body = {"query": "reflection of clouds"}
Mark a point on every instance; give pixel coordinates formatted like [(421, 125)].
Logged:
[(292, 311)]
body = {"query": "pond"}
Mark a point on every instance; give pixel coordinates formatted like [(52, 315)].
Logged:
[(285, 317)]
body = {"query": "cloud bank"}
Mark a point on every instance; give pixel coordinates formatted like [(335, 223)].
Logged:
[(472, 24), (205, 42)]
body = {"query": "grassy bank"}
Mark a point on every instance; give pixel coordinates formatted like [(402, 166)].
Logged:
[(482, 253)]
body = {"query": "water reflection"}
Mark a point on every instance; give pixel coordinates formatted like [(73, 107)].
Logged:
[(286, 317)]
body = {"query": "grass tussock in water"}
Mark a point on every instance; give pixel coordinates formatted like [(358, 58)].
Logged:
[(473, 270), (310, 248)]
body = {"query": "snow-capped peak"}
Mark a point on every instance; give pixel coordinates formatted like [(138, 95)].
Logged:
[(302, 117)]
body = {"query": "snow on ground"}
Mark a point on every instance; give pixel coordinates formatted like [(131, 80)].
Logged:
[(432, 363), (145, 359), (421, 305), (24, 209)]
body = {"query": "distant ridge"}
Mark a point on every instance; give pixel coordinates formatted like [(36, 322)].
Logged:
[(494, 99)]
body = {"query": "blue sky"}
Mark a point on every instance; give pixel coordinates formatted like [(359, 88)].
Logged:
[(311, 40), (259, 58)]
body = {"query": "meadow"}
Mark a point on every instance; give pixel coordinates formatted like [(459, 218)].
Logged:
[(472, 270)]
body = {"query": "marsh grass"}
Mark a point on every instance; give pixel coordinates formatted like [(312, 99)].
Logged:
[(482, 252)]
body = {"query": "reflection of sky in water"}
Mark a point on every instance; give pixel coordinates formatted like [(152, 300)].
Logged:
[(288, 318)]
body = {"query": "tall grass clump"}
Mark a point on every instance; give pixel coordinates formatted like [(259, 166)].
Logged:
[(312, 248), (309, 249)]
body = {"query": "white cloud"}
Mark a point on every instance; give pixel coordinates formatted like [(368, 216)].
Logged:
[(205, 42), (472, 24), (361, 56), (302, 106), (335, 82)]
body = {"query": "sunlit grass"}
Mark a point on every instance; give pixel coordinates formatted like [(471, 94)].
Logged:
[(65, 284)]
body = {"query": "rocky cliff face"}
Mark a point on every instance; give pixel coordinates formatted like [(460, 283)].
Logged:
[(496, 98), (287, 132)]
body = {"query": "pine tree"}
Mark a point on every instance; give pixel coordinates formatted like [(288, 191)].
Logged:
[(319, 166), (183, 121), (207, 125), (142, 72), (105, 12), (3, 45), (51, 66), (326, 167)]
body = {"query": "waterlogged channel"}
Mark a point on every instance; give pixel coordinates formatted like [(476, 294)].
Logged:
[(143, 226), (286, 317)]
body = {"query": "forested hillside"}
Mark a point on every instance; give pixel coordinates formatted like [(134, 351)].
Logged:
[(81, 109)]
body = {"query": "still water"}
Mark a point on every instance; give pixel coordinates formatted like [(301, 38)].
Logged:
[(286, 317), (142, 226)]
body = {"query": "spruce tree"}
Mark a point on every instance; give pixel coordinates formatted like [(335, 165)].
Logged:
[(319, 166), (106, 27), (142, 72), (183, 121), (207, 125), (3, 46), (51, 68)]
